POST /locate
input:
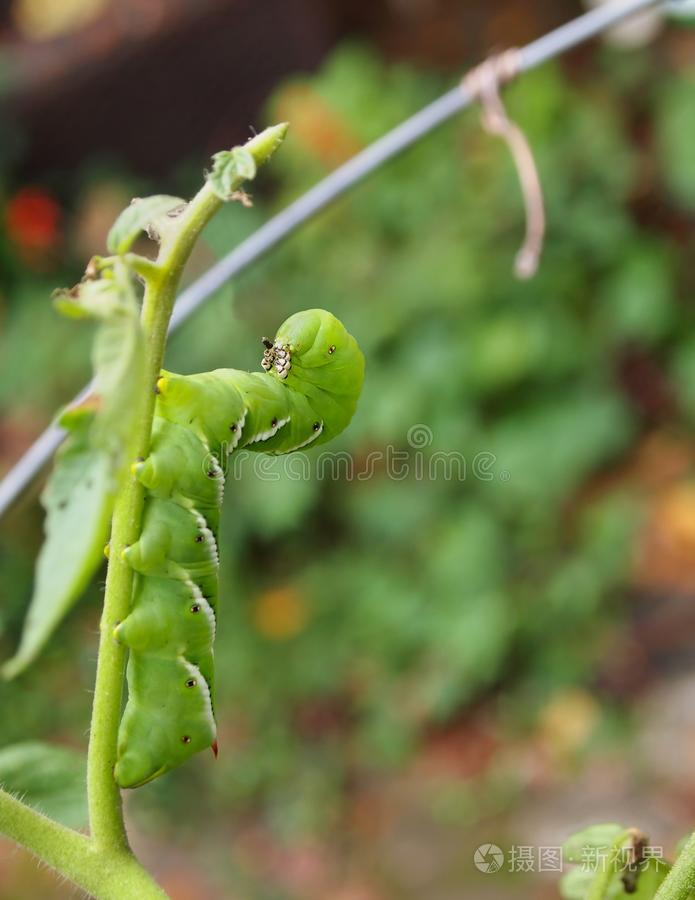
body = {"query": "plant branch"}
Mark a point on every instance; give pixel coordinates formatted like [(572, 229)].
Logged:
[(104, 865), (113, 876), (679, 884), (105, 812), (57, 845)]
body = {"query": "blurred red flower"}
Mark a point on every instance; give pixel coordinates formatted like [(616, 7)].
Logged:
[(32, 217)]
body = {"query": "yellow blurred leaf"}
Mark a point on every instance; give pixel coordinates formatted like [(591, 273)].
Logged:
[(44, 20), (567, 721), (280, 614)]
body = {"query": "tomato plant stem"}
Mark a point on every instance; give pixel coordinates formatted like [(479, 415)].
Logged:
[(103, 864), (679, 884)]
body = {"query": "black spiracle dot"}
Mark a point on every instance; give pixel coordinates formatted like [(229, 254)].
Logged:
[(191, 682), (211, 473), (195, 608), (232, 427), (331, 349), (316, 426), (186, 739), (274, 423), (199, 538)]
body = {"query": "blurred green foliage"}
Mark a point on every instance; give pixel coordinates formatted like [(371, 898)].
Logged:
[(52, 779), (360, 613)]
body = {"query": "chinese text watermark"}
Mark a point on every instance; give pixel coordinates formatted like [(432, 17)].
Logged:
[(490, 858)]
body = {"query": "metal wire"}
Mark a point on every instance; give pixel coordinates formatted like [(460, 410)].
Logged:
[(325, 192)]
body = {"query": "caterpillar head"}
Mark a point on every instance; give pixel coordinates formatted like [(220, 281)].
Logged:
[(314, 354)]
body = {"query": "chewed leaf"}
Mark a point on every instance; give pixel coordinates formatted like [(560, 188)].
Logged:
[(79, 495), (117, 359), (118, 351), (139, 216), (78, 500), (93, 299), (49, 778), (590, 842), (230, 169)]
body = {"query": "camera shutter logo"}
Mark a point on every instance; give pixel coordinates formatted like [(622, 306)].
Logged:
[(488, 858)]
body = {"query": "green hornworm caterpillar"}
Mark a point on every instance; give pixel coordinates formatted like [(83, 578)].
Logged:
[(308, 393)]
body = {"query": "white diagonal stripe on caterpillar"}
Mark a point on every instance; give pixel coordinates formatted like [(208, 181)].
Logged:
[(218, 475), (198, 597), (202, 684), (207, 535), (271, 432), (238, 428), (305, 443)]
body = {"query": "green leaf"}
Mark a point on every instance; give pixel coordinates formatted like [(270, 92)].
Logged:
[(117, 353), (78, 500), (92, 299), (644, 882), (636, 301), (230, 168), (142, 214), (118, 359), (575, 884), (79, 495), (594, 838), (49, 778), (601, 870), (650, 875), (675, 132)]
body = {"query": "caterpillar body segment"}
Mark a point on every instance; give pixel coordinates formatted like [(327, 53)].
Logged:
[(168, 717), (186, 621), (172, 470), (307, 394)]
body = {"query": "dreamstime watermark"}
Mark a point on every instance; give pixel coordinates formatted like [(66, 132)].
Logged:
[(490, 858), (418, 461)]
